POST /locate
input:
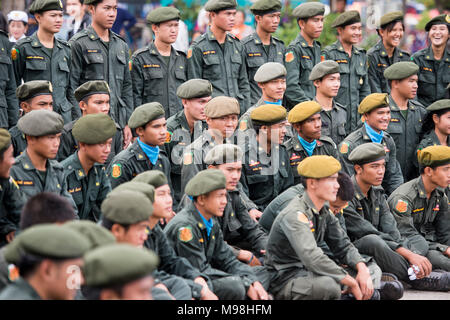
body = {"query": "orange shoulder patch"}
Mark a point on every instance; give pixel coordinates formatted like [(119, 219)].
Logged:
[(401, 206), (185, 234), (289, 56)]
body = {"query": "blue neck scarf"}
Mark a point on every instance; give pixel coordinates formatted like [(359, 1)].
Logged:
[(151, 152), (308, 146), (373, 135), (208, 223), (278, 103)]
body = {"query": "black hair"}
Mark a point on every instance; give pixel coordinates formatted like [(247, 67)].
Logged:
[(28, 263), (107, 223), (389, 26), (427, 121), (93, 293), (2, 152), (3, 23), (346, 189)]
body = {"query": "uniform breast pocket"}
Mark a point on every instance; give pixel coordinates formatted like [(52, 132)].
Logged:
[(254, 62), (5, 63), (361, 73), (236, 62), (64, 73), (119, 70), (95, 66), (255, 179), (306, 66), (395, 128), (212, 68), (35, 68), (344, 70), (180, 74), (153, 80)]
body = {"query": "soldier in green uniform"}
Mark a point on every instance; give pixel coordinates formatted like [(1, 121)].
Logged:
[(434, 61), (406, 114), (386, 52), (326, 79), (83, 171), (41, 56), (421, 207), (305, 119), (32, 95), (100, 54), (352, 63), (195, 234), (149, 124), (261, 47), (303, 53), (376, 114), (436, 125), (158, 69), (218, 56)]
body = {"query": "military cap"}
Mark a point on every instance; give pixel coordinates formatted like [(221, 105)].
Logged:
[(323, 68), (308, 10), (17, 15), (5, 139), (268, 114), (117, 264), (303, 111), (39, 123), (269, 71), (261, 7), (94, 128), (440, 19), (145, 113), (439, 105), (373, 101), (434, 156), (390, 17), (318, 167), (45, 5), (154, 178), (205, 181), (401, 70), (146, 189), (195, 88), (90, 88), (94, 233), (126, 207), (163, 14), (346, 18), (224, 153), (217, 5), (33, 88), (222, 106), (47, 241), (366, 153)]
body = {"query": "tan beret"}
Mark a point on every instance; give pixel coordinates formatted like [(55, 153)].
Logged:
[(318, 167), (303, 111), (222, 106)]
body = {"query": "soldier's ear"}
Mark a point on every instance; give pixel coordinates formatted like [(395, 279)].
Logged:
[(83, 105), (25, 106)]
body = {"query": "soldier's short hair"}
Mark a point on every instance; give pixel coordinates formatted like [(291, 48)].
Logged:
[(346, 189)]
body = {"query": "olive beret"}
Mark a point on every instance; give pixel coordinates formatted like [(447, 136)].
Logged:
[(366, 153), (127, 207), (117, 264), (39, 123), (145, 113), (195, 88), (5, 139), (33, 88), (270, 71), (217, 5), (268, 114), (95, 234), (434, 156), (308, 10), (346, 18), (163, 14), (45, 5), (265, 6), (318, 167), (439, 105), (373, 101), (323, 68), (146, 189), (94, 128), (440, 19), (390, 17), (224, 153), (222, 106), (90, 88), (154, 178), (401, 70), (303, 111), (205, 182)]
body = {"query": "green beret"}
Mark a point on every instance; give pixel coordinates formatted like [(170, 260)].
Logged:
[(308, 10), (90, 88), (49, 241), (434, 156), (217, 5), (117, 264), (440, 19), (94, 233), (37, 123), (145, 113), (439, 105), (346, 18), (195, 88), (205, 182), (401, 70), (323, 68), (390, 17), (90, 1), (373, 101), (261, 7), (94, 128), (45, 5), (154, 178), (303, 111), (33, 88), (222, 106), (224, 153), (138, 186), (269, 71), (318, 167), (268, 114), (366, 153), (5, 139), (127, 207), (163, 14)]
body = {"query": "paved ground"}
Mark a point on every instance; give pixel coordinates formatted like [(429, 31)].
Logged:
[(425, 295)]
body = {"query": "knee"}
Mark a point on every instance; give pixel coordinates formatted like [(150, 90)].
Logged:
[(373, 241), (230, 288), (326, 288)]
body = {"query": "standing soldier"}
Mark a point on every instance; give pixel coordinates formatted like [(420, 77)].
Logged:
[(303, 53), (158, 69), (41, 56), (218, 56), (261, 47), (352, 62), (100, 54), (386, 52)]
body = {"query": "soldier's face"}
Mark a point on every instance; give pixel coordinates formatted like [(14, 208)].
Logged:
[(40, 102), (136, 234), (64, 278), (162, 206), (166, 32), (269, 22), (154, 133), (379, 118), (326, 188), (232, 172), (45, 146), (50, 21), (97, 152), (310, 129), (442, 123), (312, 27), (96, 103), (6, 162), (392, 38), (329, 85), (225, 126), (214, 203), (104, 14), (224, 20), (438, 34), (276, 133), (351, 34), (440, 176), (406, 87), (338, 205), (196, 107), (274, 89), (138, 290), (372, 173)]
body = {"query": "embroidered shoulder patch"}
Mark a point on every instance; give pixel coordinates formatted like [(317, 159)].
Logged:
[(185, 234), (14, 53), (168, 137), (189, 53), (302, 218), (289, 56), (116, 171), (344, 148), (243, 125), (401, 206), (13, 272)]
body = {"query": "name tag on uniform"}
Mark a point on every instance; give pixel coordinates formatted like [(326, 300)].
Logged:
[(395, 120), (342, 61), (306, 57), (75, 190), (209, 52), (25, 182), (151, 66), (382, 65), (35, 58), (93, 51), (427, 69), (255, 54)]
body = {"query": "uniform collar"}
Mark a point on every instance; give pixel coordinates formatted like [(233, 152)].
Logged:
[(340, 47), (212, 37), (154, 51), (26, 163), (394, 106), (311, 206), (429, 55), (139, 153), (298, 146), (78, 168), (304, 43), (358, 193), (421, 188), (94, 36), (257, 39), (36, 43)]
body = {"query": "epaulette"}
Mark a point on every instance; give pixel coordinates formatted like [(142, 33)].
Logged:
[(278, 40), (139, 51), (55, 164), (328, 140), (118, 36)]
